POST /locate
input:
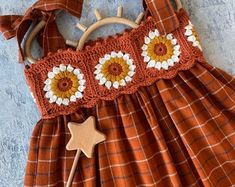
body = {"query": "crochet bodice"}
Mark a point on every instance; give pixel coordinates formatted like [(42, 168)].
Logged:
[(67, 80)]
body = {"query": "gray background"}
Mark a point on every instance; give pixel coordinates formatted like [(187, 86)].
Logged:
[(215, 21)]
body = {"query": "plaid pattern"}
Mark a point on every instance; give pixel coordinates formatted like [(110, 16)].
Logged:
[(177, 132), (164, 14)]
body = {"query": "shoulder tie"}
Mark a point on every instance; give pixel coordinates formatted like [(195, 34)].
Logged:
[(50, 38)]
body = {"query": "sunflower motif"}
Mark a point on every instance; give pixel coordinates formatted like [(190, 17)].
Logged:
[(160, 52), (115, 69), (192, 36), (64, 84)]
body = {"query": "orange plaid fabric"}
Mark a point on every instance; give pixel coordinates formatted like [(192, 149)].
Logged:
[(177, 132), (164, 14)]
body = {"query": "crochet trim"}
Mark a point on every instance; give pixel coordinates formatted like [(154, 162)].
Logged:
[(111, 67)]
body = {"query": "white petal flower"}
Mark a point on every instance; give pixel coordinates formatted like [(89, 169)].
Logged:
[(147, 59), (131, 73), (81, 88), (175, 58), (48, 81), (53, 99), (128, 78), (170, 62), (126, 57), (102, 61), (174, 41), (73, 98), (34, 100), (97, 71), (165, 65), (132, 68), (151, 64), (130, 62), (78, 95), (147, 40), (177, 53), (80, 76), (123, 83), (177, 47), (70, 68), (51, 75), (120, 54), (65, 102), (56, 70), (152, 35), (107, 57), (102, 81), (64, 80), (82, 82), (49, 94), (191, 34), (59, 101), (116, 84), (189, 27), (157, 49), (157, 32), (47, 88), (113, 55), (144, 53), (188, 32), (108, 84), (113, 69), (192, 39), (145, 47), (169, 36), (76, 71), (99, 76), (62, 67), (158, 65)]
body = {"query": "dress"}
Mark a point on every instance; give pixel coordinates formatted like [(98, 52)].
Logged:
[(168, 115)]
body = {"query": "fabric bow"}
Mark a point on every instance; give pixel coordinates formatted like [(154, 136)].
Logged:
[(50, 38)]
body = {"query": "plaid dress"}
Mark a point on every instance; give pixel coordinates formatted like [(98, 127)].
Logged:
[(172, 124)]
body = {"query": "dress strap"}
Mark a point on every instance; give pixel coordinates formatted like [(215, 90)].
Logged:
[(50, 38), (164, 14)]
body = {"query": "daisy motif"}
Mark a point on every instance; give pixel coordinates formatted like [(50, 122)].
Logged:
[(64, 84), (192, 36), (159, 51), (115, 70)]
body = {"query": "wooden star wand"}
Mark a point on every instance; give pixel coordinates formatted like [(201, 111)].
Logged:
[(84, 137)]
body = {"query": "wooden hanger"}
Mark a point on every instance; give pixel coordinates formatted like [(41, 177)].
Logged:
[(87, 31), (178, 4), (102, 22), (32, 35)]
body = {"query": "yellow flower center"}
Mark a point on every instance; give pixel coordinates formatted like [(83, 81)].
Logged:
[(194, 31), (160, 49), (64, 84), (115, 69)]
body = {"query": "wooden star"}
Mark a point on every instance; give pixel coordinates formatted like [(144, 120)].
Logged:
[(84, 136)]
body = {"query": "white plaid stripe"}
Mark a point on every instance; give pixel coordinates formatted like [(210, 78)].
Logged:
[(159, 16)]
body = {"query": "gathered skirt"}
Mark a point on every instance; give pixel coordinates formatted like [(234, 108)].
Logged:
[(176, 132)]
